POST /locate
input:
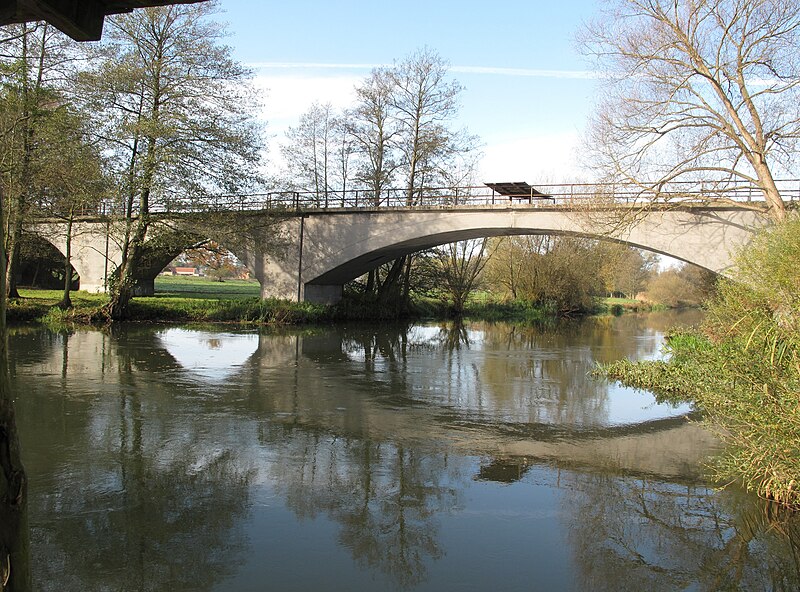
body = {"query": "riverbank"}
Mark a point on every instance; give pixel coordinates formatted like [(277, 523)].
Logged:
[(741, 367), (198, 300)]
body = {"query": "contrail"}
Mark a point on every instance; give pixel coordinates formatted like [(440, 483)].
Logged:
[(486, 70)]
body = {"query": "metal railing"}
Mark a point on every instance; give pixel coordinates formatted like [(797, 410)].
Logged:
[(568, 195)]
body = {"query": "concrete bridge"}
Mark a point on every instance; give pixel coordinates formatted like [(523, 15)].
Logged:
[(309, 250)]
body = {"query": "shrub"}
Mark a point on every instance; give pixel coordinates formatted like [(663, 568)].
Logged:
[(742, 367)]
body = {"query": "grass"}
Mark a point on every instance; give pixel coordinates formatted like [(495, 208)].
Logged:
[(203, 288), (177, 299), (198, 299)]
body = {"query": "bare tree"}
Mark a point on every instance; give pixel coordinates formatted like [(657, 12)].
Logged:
[(457, 267), (309, 151), (425, 102), (698, 90), (373, 128)]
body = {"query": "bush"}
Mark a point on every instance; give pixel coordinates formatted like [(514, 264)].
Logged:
[(742, 367)]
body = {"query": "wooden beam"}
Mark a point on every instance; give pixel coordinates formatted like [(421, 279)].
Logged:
[(80, 19)]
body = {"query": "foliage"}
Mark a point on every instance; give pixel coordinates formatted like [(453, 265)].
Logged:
[(742, 368), (688, 285), (212, 259), (176, 114), (47, 164), (624, 269), (557, 273)]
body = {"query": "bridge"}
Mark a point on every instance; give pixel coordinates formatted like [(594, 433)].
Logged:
[(306, 246)]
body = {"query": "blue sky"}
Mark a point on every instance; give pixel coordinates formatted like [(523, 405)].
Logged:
[(528, 92)]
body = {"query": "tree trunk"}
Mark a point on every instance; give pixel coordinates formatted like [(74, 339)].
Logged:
[(407, 280), (14, 536), (66, 302), (775, 204), (371, 281), (10, 289), (390, 284)]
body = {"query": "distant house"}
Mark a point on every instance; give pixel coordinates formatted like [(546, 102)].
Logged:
[(185, 271)]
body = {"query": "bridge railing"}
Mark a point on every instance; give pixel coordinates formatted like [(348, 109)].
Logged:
[(542, 195)]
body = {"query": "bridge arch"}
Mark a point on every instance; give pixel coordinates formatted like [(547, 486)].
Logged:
[(337, 248)]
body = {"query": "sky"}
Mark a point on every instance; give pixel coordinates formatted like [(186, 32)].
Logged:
[(527, 90)]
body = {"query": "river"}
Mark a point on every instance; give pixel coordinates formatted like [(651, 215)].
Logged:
[(431, 456)]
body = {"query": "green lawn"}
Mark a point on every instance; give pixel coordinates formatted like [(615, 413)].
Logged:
[(200, 287)]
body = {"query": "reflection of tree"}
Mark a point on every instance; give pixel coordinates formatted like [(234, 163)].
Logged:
[(129, 495), (384, 496), (632, 534)]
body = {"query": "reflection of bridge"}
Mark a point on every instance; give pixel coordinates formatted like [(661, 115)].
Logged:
[(305, 247), (287, 376)]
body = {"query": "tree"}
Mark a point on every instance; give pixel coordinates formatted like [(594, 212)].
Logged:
[(624, 269), (425, 102), (213, 259), (33, 60), (70, 179), (687, 285), (455, 269), (177, 118), (558, 272), (699, 90), (373, 127), (308, 150)]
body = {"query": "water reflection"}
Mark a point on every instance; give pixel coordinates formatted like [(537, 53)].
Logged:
[(426, 457), (645, 534), (209, 355)]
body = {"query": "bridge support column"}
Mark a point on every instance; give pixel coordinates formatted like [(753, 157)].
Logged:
[(273, 255), (280, 269), (95, 255)]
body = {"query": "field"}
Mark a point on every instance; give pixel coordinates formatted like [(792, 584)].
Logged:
[(199, 287)]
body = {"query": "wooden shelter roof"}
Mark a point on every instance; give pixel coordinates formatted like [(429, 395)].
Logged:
[(517, 189), (80, 19)]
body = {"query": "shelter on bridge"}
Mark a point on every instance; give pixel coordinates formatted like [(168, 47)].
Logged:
[(519, 190)]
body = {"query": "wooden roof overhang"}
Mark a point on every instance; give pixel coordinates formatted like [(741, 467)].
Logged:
[(80, 19), (517, 189)]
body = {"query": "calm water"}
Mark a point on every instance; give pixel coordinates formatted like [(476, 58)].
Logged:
[(427, 457)]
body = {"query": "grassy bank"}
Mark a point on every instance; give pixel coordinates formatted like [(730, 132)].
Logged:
[(195, 299), (742, 368)]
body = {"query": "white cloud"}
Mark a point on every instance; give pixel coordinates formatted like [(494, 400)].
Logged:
[(547, 158), (286, 98), (528, 72)]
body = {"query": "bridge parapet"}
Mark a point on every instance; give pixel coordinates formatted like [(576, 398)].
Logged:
[(566, 195)]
